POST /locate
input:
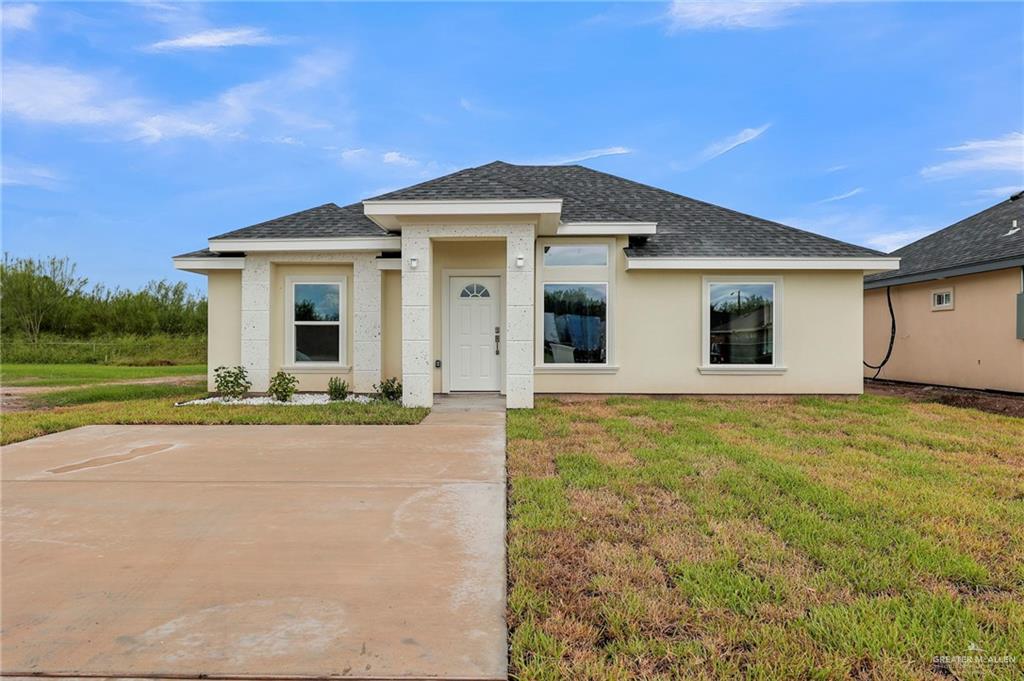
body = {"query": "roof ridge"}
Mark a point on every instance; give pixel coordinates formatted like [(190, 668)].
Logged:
[(437, 179)]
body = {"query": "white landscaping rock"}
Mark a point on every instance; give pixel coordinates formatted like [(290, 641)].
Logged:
[(298, 399)]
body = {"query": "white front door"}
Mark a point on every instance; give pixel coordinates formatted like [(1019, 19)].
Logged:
[(475, 334)]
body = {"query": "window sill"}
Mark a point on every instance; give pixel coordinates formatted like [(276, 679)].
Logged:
[(317, 369), (575, 369), (726, 370)]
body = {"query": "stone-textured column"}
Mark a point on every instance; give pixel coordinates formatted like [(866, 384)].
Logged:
[(519, 317), (417, 369), (255, 352), (366, 322)]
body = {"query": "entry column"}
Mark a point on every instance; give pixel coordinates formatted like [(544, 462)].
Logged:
[(519, 316), (366, 321), (417, 284)]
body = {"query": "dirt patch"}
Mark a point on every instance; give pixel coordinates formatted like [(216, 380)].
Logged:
[(17, 398), (994, 403)]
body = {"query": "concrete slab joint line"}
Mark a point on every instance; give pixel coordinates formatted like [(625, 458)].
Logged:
[(251, 552)]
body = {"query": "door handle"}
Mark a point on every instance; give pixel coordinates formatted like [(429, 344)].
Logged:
[(497, 340)]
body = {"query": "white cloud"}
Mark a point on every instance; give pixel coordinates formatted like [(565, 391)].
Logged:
[(1004, 153), (889, 241), (353, 155), (845, 195), (724, 146), (61, 96), (16, 173), (592, 154), (836, 168), (19, 17), (1000, 192), (397, 158), (216, 38), (684, 15)]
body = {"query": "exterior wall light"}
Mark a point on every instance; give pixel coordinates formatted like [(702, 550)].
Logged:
[(414, 263), (520, 261)]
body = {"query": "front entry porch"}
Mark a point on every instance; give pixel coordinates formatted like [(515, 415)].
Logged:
[(467, 311)]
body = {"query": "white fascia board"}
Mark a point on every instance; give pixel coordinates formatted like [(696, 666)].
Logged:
[(202, 265), (607, 228), (463, 207), (385, 243), (879, 264), (389, 263)]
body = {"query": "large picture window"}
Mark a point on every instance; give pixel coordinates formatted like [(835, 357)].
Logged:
[(741, 323), (575, 323), (316, 319)]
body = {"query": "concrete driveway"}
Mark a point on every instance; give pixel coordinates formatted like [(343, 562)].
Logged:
[(262, 551)]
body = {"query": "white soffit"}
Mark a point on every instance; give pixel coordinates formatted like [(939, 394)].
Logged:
[(386, 243), (208, 264), (865, 264), (607, 228), (388, 214)]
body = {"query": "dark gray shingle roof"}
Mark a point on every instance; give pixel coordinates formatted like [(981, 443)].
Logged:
[(207, 253), (686, 227), (323, 222), (981, 239)]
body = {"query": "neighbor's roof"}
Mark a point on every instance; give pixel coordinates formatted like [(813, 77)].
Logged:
[(686, 227), (983, 242)]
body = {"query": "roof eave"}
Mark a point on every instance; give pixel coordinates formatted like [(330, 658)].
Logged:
[(945, 273), (388, 214), (863, 264), (382, 243)]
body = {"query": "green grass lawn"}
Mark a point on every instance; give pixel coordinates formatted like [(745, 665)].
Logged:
[(777, 538), (138, 404), (83, 374)]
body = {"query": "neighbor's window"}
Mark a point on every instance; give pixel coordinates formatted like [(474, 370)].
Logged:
[(942, 300), (575, 323), (741, 323), (585, 255), (316, 322)]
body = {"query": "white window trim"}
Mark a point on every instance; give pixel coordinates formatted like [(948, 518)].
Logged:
[(952, 299), (777, 366), (607, 326), (289, 361)]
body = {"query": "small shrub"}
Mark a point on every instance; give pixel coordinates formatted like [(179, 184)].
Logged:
[(232, 382), (282, 386), (337, 389), (389, 390)]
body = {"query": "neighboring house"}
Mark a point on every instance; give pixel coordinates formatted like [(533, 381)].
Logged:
[(537, 279), (958, 303)]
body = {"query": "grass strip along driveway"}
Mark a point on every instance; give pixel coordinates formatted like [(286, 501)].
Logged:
[(769, 538), (82, 374), (154, 403)]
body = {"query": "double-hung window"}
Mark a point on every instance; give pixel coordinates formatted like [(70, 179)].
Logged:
[(574, 287), (316, 321), (741, 323)]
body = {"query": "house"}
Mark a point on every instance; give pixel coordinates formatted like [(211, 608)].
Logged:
[(957, 303), (537, 279)]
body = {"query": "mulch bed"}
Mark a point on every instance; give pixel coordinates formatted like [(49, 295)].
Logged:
[(993, 402)]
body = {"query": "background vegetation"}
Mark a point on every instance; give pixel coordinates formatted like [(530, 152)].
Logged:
[(48, 315)]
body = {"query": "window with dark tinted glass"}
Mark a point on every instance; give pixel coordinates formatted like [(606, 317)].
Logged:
[(575, 323), (741, 323), (317, 327)]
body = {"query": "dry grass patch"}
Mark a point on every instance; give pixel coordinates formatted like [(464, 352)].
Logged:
[(767, 538)]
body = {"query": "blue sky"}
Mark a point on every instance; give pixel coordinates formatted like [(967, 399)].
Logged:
[(134, 131)]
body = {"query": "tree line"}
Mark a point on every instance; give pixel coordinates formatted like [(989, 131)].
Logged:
[(47, 296)]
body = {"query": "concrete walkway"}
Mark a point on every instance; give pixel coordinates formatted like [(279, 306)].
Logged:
[(258, 551)]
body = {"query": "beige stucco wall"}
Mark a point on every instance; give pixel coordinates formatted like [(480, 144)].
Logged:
[(309, 379), (656, 336), (391, 324), (458, 255), (974, 345), (224, 321)]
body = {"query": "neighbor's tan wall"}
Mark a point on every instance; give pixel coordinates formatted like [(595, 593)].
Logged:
[(308, 379), (974, 345), (224, 321), (657, 336), (391, 324), (452, 255)]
